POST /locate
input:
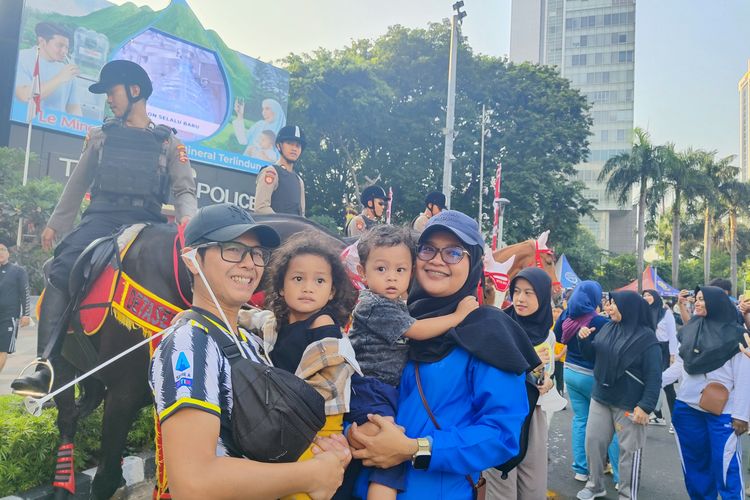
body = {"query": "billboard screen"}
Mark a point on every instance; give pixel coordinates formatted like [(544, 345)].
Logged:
[(226, 107)]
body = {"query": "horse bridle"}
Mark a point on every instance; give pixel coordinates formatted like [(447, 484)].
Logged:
[(538, 259)]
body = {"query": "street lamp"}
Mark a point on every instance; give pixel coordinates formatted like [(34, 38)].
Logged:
[(450, 117)]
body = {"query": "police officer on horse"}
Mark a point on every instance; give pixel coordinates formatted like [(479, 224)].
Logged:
[(130, 166), (373, 200), (279, 189)]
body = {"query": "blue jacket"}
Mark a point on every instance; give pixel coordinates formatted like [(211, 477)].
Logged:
[(574, 355), (480, 410)]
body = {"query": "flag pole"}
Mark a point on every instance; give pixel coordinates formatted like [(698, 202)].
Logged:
[(33, 110)]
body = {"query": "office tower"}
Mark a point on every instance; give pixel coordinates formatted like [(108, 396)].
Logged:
[(592, 43), (744, 90)]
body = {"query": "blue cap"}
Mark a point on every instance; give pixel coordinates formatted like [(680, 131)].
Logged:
[(461, 225), (225, 222)]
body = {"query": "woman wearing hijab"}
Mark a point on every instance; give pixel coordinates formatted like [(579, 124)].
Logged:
[(712, 407), (531, 296), (666, 333), (626, 389), (273, 118), (579, 371), (461, 394)]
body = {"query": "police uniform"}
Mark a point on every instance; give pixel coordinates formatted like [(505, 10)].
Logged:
[(359, 225), (130, 172), (277, 190), (420, 222)]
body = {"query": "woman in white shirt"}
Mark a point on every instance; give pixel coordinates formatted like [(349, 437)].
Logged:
[(666, 333), (708, 428)]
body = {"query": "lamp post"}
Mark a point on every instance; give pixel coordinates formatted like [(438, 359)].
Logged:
[(450, 117), (485, 119)]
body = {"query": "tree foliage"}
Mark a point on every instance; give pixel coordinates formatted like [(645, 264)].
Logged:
[(375, 110)]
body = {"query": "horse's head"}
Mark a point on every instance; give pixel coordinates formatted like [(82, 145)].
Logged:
[(544, 258), (531, 253)]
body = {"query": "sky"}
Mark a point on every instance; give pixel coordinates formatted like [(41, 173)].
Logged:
[(690, 54)]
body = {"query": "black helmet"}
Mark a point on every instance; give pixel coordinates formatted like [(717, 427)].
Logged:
[(126, 73), (291, 133), (371, 193), (436, 198)]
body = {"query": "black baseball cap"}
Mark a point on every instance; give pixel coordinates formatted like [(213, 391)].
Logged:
[(461, 225), (225, 222)]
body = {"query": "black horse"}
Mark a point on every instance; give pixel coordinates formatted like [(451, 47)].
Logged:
[(123, 385)]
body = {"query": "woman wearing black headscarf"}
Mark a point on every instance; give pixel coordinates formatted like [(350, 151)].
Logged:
[(626, 388), (666, 335), (472, 378), (712, 410), (531, 297)]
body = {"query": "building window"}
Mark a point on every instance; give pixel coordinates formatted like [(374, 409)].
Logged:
[(584, 40), (579, 60), (620, 135)]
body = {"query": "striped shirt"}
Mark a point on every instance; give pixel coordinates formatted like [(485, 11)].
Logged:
[(189, 370)]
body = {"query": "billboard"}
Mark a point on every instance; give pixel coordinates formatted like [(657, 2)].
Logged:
[(226, 107)]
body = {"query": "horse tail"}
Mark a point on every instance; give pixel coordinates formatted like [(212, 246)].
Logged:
[(93, 392)]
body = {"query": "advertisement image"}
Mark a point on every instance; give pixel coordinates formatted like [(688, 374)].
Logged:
[(225, 106)]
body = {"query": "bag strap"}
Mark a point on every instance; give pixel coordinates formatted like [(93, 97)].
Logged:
[(474, 486), (228, 346)]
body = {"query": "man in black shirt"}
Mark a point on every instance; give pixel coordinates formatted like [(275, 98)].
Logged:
[(14, 303)]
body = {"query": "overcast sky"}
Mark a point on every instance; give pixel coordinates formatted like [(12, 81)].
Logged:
[(690, 54)]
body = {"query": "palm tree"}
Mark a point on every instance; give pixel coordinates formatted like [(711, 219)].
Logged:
[(642, 167), (682, 176), (735, 197), (716, 172)]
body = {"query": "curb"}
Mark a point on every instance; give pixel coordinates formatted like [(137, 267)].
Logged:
[(138, 471)]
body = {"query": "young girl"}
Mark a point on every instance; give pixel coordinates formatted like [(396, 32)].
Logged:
[(311, 296)]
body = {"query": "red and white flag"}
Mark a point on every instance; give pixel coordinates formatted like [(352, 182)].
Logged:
[(36, 91)]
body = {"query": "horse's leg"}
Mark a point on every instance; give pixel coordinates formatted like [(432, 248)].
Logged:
[(121, 406), (67, 422)]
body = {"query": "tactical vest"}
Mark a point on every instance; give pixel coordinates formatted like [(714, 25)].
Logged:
[(286, 198), (132, 169)]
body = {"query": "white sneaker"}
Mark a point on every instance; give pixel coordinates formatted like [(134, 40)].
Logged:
[(617, 486), (654, 420), (671, 429), (587, 494), (581, 477)]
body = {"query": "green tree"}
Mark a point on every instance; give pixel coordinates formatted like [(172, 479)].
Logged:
[(682, 175), (583, 253), (734, 197), (640, 167), (390, 126), (717, 173), (34, 202), (617, 271)]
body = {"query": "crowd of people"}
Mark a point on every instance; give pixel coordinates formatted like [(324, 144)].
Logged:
[(414, 386)]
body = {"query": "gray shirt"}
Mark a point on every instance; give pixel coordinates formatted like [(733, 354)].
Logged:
[(377, 334)]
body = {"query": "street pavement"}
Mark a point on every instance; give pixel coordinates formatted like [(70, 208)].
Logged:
[(661, 475)]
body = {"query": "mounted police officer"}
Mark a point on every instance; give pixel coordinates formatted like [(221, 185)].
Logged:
[(279, 189), (434, 204), (130, 165), (373, 200)]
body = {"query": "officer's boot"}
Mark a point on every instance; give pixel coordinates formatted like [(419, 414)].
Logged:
[(51, 315)]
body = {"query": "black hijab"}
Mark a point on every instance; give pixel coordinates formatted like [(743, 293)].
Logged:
[(487, 332), (656, 310), (706, 343), (538, 324), (619, 345)]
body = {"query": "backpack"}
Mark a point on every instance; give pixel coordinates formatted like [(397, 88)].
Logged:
[(532, 393), (275, 414)]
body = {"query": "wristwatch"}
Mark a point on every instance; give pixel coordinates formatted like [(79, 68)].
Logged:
[(421, 459)]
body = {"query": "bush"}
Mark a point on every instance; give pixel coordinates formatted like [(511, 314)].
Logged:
[(28, 444)]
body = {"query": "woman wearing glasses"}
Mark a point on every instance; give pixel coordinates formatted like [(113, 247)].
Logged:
[(462, 398)]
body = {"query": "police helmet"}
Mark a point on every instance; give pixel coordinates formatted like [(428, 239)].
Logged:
[(126, 73), (436, 198), (291, 133), (371, 193)]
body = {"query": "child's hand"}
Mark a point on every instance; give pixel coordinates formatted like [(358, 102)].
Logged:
[(466, 305)]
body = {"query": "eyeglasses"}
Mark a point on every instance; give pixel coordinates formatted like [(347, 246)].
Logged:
[(450, 255), (235, 252)]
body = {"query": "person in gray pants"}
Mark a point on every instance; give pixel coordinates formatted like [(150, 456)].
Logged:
[(627, 381)]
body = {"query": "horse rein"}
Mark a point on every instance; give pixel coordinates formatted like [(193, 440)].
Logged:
[(538, 259), (179, 243)]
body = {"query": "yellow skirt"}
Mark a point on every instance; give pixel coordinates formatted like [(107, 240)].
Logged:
[(334, 425)]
